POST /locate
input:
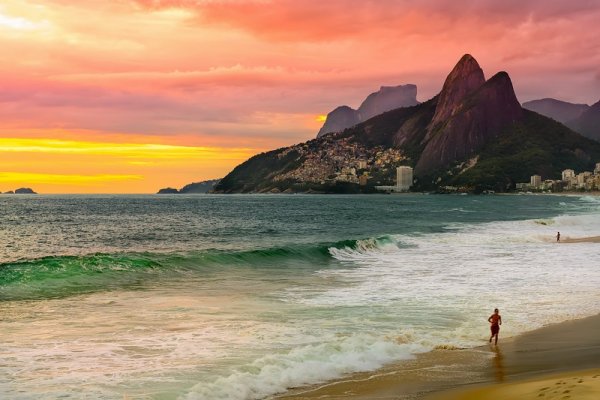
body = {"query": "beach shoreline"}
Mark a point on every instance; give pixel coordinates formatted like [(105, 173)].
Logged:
[(588, 239), (565, 348)]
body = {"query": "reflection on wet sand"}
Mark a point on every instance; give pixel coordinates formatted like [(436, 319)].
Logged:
[(498, 364)]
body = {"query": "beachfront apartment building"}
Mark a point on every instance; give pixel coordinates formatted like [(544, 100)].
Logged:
[(404, 178), (570, 180)]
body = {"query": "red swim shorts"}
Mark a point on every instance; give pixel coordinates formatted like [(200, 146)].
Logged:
[(495, 329)]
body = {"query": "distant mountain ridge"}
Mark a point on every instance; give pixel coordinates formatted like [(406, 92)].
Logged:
[(588, 123), (474, 134), (385, 99), (558, 110)]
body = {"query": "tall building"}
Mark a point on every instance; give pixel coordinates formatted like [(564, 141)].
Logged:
[(536, 181), (597, 169), (568, 174), (404, 178)]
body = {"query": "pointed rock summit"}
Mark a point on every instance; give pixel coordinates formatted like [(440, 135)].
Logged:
[(469, 113), (466, 77)]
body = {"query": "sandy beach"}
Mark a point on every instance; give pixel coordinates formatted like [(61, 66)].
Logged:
[(561, 355), (579, 385)]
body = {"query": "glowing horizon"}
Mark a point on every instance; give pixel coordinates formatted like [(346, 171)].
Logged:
[(222, 80), (74, 165)]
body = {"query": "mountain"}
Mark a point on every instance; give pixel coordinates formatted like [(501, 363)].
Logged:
[(558, 110), (470, 113), (588, 123), (339, 119), (192, 188), (474, 135), (385, 99)]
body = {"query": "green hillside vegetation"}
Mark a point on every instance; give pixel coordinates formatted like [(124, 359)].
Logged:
[(255, 174), (536, 145)]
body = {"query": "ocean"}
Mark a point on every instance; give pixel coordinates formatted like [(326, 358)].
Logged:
[(245, 296)]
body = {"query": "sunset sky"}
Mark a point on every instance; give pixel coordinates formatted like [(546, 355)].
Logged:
[(128, 96)]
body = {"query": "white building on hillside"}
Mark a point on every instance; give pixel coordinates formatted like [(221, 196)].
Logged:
[(536, 181)]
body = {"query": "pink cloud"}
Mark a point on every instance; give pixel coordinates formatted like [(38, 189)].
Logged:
[(259, 71), (310, 20)]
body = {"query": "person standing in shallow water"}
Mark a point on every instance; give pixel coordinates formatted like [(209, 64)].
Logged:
[(496, 320), (558, 236)]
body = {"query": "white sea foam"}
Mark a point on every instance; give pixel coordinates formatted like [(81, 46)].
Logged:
[(308, 364)]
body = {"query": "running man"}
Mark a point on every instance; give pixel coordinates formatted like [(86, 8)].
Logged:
[(496, 320), (558, 236)]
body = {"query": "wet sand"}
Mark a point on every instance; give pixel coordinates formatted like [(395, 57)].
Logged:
[(570, 346), (589, 239)]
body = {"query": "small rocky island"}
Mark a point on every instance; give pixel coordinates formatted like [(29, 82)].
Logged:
[(20, 191)]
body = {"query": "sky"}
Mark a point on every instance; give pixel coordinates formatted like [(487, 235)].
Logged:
[(129, 96)]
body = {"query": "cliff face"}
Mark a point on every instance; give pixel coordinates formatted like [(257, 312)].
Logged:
[(588, 123), (385, 99), (558, 110), (470, 112)]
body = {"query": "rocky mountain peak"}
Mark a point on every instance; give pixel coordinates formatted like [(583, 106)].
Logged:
[(472, 122), (466, 77)]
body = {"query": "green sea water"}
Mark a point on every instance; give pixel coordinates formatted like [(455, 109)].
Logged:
[(242, 297)]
